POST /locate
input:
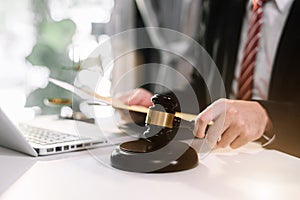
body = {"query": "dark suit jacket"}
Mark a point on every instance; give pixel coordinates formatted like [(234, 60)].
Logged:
[(221, 28)]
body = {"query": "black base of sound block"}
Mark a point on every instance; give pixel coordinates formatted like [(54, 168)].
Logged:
[(141, 156)]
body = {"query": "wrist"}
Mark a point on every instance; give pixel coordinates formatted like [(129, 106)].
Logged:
[(269, 134)]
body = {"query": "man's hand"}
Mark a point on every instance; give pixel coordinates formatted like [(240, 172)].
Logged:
[(235, 123), (137, 96)]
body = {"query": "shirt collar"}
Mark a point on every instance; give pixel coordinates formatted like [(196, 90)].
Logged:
[(282, 5)]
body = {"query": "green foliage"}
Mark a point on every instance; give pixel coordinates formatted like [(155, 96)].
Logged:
[(52, 43), (51, 50), (57, 35)]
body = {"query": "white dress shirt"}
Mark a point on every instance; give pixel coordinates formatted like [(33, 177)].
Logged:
[(275, 13)]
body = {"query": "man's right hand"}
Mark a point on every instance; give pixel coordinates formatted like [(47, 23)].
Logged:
[(137, 96)]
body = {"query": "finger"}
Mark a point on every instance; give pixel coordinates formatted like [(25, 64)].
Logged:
[(146, 102), (137, 99), (209, 114), (221, 124), (132, 97), (239, 141), (124, 98), (134, 100), (140, 97), (201, 122), (228, 137)]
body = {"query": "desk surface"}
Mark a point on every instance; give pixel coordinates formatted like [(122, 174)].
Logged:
[(246, 173)]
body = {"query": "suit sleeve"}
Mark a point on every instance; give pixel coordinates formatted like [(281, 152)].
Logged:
[(285, 119)]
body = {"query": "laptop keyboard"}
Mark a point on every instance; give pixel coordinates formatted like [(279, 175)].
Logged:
[(45, 137)]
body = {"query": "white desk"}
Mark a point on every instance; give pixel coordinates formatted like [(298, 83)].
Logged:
[(247, 173)]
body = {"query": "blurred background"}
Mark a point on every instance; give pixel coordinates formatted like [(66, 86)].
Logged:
[(42, 38)]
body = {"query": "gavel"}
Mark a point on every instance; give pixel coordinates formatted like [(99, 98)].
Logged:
[(157, 151)]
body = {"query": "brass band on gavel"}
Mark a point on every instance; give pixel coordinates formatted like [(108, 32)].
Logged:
[(159, 118)]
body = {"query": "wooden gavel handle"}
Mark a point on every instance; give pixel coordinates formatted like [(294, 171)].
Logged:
[(118, 104), (142, 109)]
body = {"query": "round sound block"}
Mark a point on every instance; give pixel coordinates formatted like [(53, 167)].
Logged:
[(141, 156)]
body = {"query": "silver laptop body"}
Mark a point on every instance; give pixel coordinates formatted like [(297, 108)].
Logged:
[(36, 141)]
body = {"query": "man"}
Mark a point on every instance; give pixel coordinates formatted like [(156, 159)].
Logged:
[(256, 46)]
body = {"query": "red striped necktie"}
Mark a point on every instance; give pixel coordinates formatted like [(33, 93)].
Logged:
[(245, 81)]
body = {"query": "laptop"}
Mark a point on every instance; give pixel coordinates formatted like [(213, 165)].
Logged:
[(36, 141)]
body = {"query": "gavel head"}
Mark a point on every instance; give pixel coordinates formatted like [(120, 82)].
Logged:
[(157, 151), (161, 121)]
